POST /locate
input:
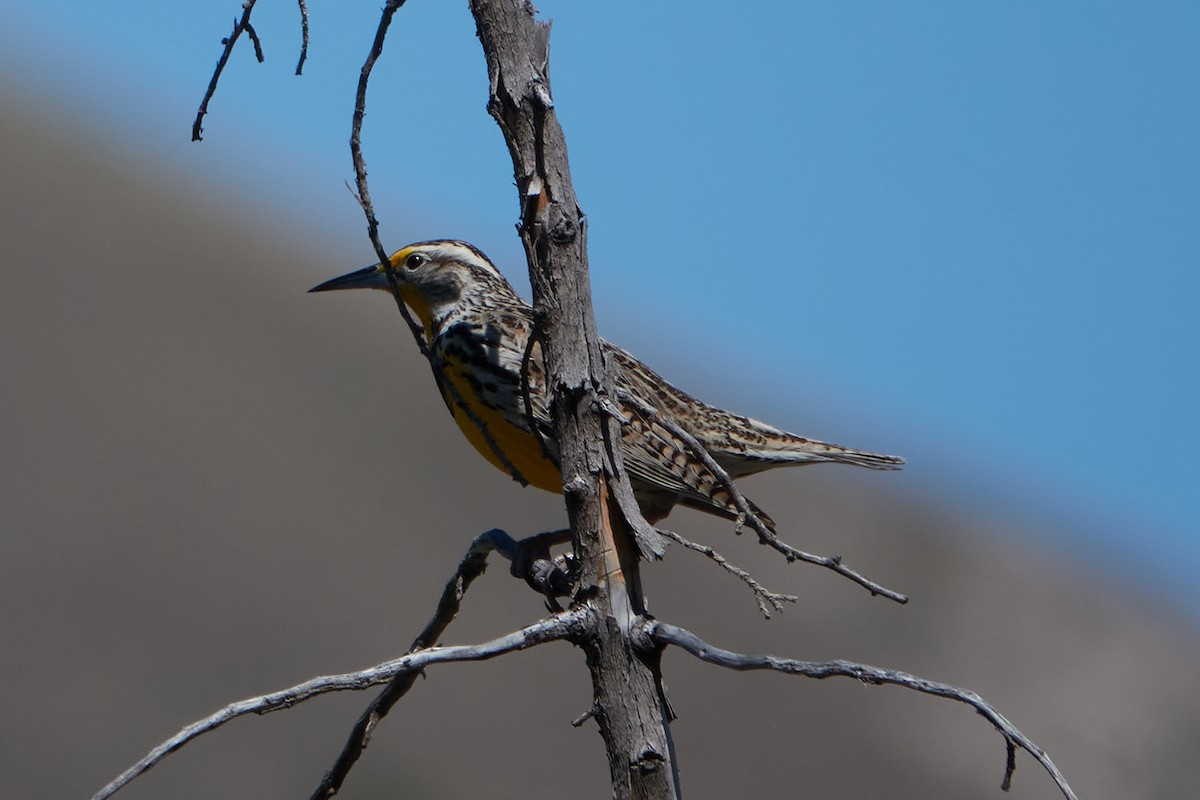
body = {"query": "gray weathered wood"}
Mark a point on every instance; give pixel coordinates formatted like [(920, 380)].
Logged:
[(629, 706)]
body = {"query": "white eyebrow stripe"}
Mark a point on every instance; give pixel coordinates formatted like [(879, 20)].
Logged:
[(461, 251)]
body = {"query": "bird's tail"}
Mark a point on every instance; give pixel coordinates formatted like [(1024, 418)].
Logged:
[(754, 446), (859, 458)]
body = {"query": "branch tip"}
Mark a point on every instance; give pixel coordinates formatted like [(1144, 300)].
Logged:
[(667, 634), (768, 601), (303, 36), (547, 630), (239, 25)]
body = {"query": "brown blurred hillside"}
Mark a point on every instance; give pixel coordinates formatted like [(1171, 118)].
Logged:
[(215, 485)]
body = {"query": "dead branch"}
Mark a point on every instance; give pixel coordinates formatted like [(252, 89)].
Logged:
[(552, 230), (766, 599), (765, 534), (529, 558), (663, 634), (360, 165), (526, 556), (632, 712), (364, 200), (253, 34), (560, 626), (239, 26), (303, 36)]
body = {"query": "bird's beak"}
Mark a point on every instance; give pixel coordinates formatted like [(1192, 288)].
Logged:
[(371, 277)]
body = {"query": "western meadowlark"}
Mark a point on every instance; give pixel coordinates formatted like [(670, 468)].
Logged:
[(478, 333)]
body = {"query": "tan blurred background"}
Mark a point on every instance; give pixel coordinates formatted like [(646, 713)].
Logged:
[(214, 485)]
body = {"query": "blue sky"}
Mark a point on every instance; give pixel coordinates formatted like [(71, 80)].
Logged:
[(966, 232)]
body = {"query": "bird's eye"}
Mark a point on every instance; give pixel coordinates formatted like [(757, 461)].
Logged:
[(415, 261)]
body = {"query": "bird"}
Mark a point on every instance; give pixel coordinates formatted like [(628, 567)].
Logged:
[(488, 365)]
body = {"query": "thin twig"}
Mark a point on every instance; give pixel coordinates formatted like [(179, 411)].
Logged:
[(560, 626), (253, 34), (766, 599), (663, 634), (360, 165), (364, 200), (239, 25), (471, 567), (303, 36), (746, 512), (584, 717)]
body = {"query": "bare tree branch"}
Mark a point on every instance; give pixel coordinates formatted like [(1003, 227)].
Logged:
[(360, 165), (632, 712), (303, 36), (663, 634), (766, 599), (523, 554), (566, 625), (552, 229), (253, 34), (239, 26), (364, 200), (765, 534)]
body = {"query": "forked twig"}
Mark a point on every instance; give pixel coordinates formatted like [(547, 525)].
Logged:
[(747, 515), (663, 634), (239, 26), (560, 626), (471, 567), (766, 599)]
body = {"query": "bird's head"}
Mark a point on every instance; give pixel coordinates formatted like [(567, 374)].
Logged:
[(431, 277)]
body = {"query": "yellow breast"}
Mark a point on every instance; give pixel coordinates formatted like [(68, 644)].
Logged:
[(521, 448)]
